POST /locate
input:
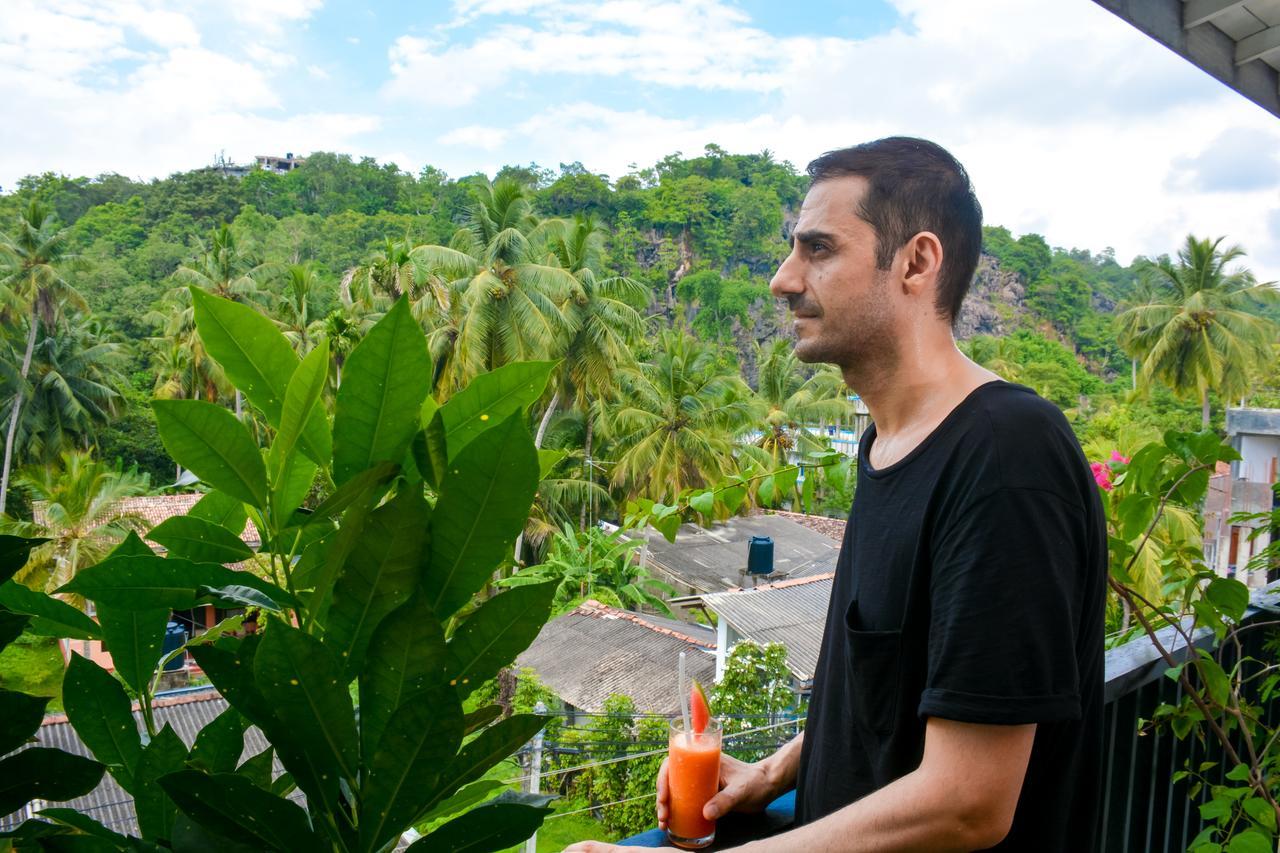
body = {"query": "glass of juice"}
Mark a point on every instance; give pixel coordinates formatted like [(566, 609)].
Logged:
[(693, 778)]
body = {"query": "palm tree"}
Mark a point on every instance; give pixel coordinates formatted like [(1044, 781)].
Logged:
[(796, 403), (76, 379), (606, 325), (293, 310), (678, 419), (183, 367), (77, 508), (32, 287), (223, 269), (996, 354), (1200, 331), (389, 272), (496, 297)]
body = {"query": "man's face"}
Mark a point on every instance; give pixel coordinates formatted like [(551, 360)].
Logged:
[(842, 303)]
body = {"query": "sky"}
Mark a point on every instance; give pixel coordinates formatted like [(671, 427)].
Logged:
[(1071, 123)]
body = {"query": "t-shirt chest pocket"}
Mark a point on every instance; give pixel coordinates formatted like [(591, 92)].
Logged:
[(875, 671)]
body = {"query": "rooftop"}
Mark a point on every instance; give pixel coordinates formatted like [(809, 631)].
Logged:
[(713, 559), (791, 612), (1253, 421), (109, 804), (153, 509), (595, 651)]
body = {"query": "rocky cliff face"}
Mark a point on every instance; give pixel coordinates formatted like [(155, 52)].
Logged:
[(995, 301)]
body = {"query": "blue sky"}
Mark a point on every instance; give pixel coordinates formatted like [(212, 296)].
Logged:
[(1071, 123)]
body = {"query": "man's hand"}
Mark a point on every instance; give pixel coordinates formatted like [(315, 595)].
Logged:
[(606, 847), (743, 788)]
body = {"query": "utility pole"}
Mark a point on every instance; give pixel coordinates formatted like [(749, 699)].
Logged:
[(535, 773)]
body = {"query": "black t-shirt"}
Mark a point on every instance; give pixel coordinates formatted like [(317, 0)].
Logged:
[(970, 586)]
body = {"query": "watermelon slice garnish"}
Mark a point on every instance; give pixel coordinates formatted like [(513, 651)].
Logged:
[(699, 708)]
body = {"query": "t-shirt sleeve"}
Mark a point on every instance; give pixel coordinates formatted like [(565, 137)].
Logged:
[(1004, 597)]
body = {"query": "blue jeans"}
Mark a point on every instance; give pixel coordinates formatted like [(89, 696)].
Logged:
[(734, 829)]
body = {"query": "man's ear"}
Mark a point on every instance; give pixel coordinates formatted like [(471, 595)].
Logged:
[(921, 263)]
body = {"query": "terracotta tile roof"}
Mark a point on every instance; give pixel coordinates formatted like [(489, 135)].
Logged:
[(153, 509), (831, 527)]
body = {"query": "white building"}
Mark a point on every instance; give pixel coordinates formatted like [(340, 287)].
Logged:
[(1246, 488)]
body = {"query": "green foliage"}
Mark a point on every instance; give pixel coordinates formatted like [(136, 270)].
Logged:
[(755, 691)]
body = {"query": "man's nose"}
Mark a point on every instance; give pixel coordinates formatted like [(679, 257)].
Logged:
[(786, 280)]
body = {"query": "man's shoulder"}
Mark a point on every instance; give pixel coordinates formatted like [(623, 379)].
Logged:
[(1025, 440)]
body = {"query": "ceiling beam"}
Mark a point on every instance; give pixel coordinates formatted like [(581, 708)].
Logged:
[(1258, 45), (1197, 12)]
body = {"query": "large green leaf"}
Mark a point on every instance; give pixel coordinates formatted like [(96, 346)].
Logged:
[(202, 541), (50, 617), (484, 502), (406, 656), (221, 509), (405, 772), (338, 548), (489, 747), (20, 716), (300, 401), (46, 774), (229, 665), (133, 546), (233, 806), (102, 716), (135, 639), (209, 441), (14, 551), (500, 823), (218, 746), (383, 384), (491, 398), (468, 796), (302, 682), (259, 361), (378, 576), (11, 626), (496, 632), (358, 488), (153, 582), (90, 827), (165, 754)]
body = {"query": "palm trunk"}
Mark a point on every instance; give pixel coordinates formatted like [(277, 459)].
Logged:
[(546, 419), (587, 473), (1204, 409), (17, 409)]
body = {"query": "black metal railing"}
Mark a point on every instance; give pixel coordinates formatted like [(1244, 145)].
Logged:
[(1143, 808)]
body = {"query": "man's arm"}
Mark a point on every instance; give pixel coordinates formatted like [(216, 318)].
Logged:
[(962, 797)]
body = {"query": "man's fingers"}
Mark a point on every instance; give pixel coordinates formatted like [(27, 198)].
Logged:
[(721, 804), (662, 795)]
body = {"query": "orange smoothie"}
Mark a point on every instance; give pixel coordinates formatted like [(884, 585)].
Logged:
[(693, 778)]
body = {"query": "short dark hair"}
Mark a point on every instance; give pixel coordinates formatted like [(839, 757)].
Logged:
[(915, 185)]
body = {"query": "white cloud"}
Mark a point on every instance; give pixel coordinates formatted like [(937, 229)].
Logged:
[(317, 72), (125, 86), (476, 136), (701, 44), (274, 16), (1068, 119)]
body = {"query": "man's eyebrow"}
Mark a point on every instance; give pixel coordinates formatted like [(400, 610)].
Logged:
[(812, 236)]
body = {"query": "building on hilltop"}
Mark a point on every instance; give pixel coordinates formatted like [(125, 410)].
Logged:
[(1248, 485), (279, 165)]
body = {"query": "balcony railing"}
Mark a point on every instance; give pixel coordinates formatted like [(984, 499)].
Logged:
[(1143, 808)]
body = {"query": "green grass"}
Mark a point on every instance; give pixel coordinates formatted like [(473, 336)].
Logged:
[(33, 665)]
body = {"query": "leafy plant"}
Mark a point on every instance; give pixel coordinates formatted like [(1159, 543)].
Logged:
[(1225, 692), (371, 606)]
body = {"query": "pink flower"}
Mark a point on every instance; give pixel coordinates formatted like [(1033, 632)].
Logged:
[(1101, 475), (1116, 457)]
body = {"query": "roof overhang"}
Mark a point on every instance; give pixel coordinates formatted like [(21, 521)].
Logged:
[(1235, 41)]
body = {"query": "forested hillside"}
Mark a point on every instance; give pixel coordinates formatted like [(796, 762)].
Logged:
[(694, 238)]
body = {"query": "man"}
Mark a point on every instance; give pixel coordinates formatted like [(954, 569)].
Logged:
[(957, 703)]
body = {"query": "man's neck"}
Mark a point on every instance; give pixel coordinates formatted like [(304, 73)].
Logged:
[(909, 394)]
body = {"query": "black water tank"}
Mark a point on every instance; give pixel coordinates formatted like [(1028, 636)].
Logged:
[(760, 555), (174, 637)]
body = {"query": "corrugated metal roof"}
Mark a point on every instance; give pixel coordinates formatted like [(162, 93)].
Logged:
[(793, 613), (595, 651), (109, 804), (713, 559)]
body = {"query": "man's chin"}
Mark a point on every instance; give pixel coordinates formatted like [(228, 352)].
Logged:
[(810, 351)]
